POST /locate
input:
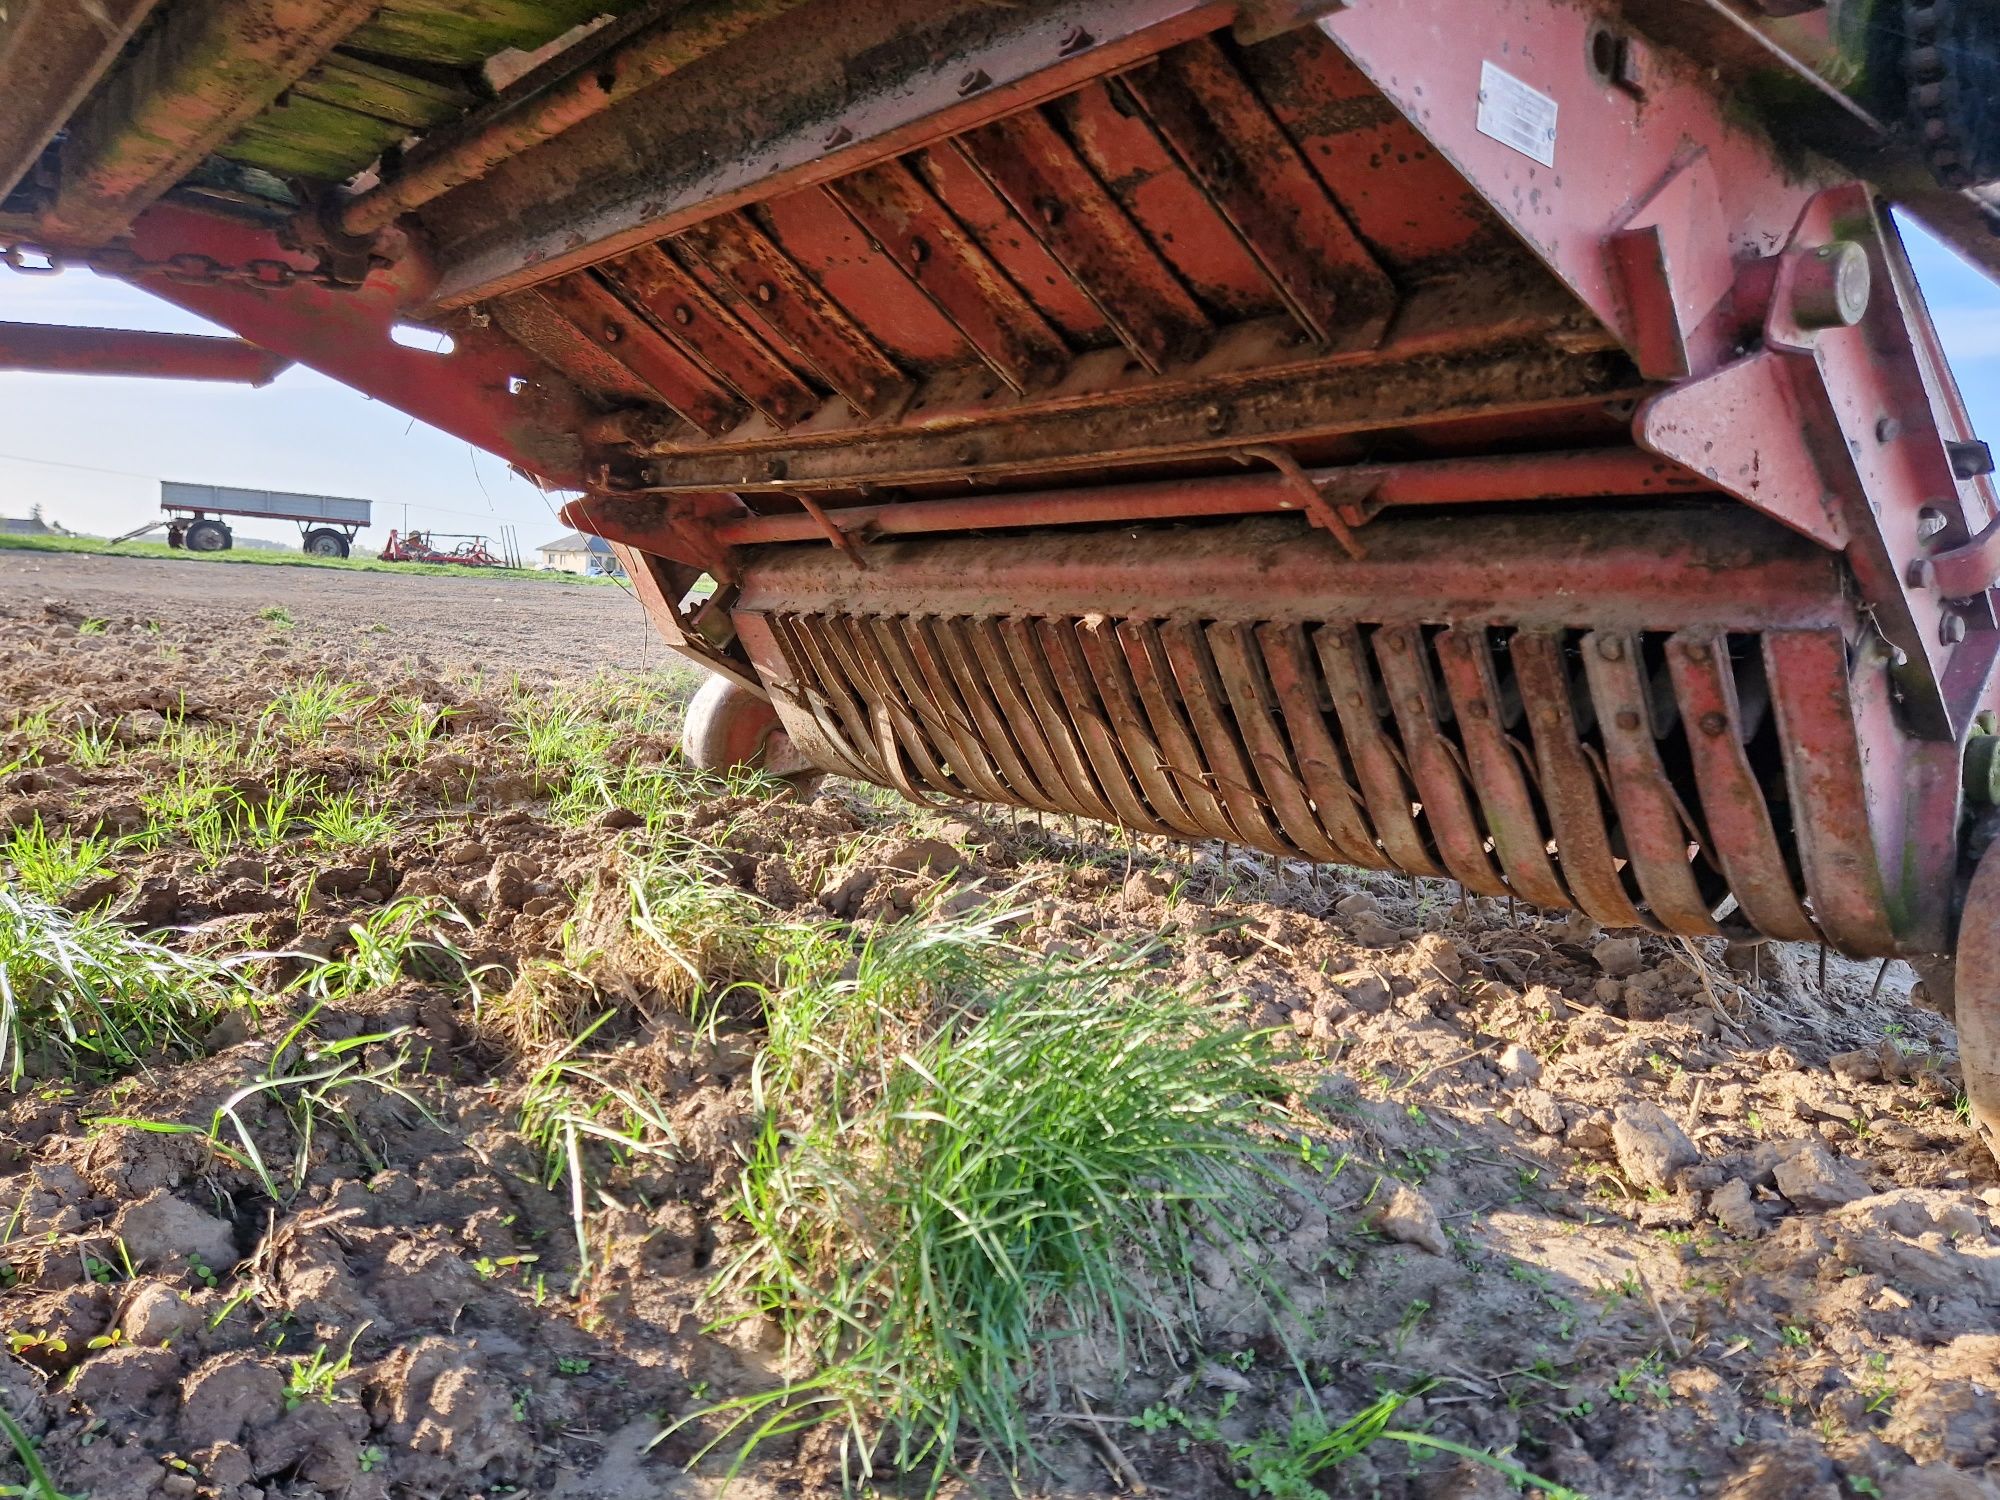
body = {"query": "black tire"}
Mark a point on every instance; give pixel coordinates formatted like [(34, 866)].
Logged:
[(208, 536), (324, 541)]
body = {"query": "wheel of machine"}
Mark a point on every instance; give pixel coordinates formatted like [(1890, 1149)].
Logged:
[(324, 541), (208, 536), (729, 726)]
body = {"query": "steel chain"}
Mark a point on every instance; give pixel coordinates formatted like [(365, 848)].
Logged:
[(188, 268)]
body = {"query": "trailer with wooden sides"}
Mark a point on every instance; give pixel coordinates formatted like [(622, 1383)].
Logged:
[(1492, 439)]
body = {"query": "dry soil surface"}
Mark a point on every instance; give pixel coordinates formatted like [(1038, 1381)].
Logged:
[(498, 624), (1654, 1219)]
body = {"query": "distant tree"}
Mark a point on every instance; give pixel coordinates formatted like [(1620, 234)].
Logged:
[(35, 512)]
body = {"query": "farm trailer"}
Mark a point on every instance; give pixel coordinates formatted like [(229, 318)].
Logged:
[(1491, 439), (327, 524)]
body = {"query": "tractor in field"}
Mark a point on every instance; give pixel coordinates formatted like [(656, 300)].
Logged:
[(1499, 440)]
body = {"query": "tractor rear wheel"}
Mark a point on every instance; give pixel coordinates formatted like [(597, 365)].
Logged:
[(208, 536), (324, 541), (728, 726)]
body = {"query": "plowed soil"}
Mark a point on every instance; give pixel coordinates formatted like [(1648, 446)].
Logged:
[(1654, 1219)]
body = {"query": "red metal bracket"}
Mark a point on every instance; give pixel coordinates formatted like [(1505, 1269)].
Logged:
[(487, 389)]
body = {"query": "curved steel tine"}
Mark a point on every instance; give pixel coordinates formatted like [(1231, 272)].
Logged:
[(863, 660), (1093, 728), (1341, 812), (1386, 784), (1657, 837), (1108, 669), (961, 694), (1242, 677), (1830, 813), (1045, 698), (802, 690), (1733, 805), (1570, 784), (965, 758), (835, 687), (1202, 694), (1434, 763), (1510, 812), (984, 634), (1180, 755), (997, 726)]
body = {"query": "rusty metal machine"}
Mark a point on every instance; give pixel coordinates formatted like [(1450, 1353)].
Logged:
[(1494, 439)]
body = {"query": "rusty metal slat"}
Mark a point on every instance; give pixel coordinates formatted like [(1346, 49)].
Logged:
[(1384, 779), (1090, 235), (1180, 755), (803, 686), (1021, 717), (1829, 788), (963, 760), (686, 312), (628, 338), (1570, 787), (980, 759), (1511, 816), (1288, 666), (1241, 159), (960, 664), (1434, 764), (798, 313), (1106, 660), (865, 665), (1203, 695), (1241, 671), (797, 634), (1649, 813), (1100, 744), (534, 323), (1733, 804), (929, 246), (1045, 699)]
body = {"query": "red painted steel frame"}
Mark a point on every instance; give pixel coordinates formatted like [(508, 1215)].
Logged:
[(52, 350), (487, 390)]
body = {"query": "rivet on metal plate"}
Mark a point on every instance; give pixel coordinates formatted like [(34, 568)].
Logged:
[(1628, 718), (1713, 723), (1610, 648)]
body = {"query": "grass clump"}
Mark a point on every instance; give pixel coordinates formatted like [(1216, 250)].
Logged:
[(80, 993), (51, 865), (1040, 1167)]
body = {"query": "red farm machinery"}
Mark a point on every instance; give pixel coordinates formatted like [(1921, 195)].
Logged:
[(1491, 439)]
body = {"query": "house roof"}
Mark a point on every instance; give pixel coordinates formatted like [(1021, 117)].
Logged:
[(577, 541), (25, 526)]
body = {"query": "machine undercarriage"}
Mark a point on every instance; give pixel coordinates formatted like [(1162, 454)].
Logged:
[(1493, 439)]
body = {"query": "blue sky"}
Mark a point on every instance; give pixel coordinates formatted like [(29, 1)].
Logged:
[(93, 450)]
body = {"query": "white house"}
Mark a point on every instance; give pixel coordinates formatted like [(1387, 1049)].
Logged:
[(580, 553)]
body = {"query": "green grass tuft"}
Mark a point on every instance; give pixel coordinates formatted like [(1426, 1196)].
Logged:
[(79, 993), (1043, 1164)]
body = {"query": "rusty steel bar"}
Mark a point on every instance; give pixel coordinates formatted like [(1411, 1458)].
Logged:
[(1573, 787), (1445, 481), (51, 350), (831, 98), (467, 153), (208, 70), (1733, 805), (1657, 837), (52, 52), (1288, 666)]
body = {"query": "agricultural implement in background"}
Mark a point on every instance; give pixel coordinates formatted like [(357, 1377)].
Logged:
[(1494, 439), (327, 523), (422, 547)]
